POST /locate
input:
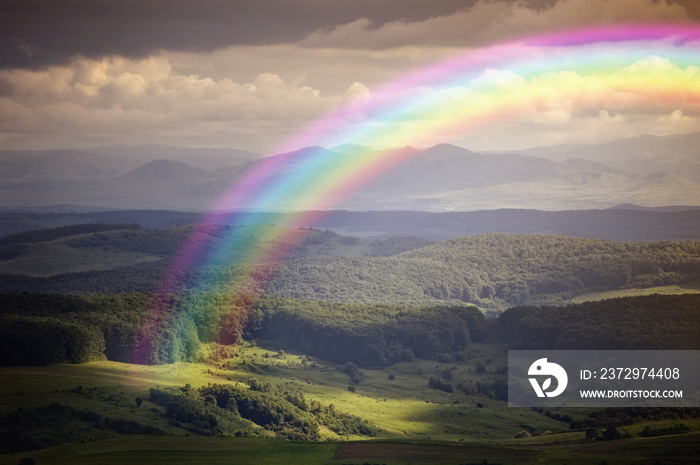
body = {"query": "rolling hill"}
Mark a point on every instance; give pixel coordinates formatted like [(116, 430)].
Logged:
[(493, 271), (167, 170)]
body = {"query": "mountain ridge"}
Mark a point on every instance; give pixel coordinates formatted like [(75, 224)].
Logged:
[(169, 170), (441, 178), (643, 154)]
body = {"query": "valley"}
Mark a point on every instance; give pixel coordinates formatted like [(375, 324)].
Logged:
[(458, 232), (378, 382), (378, 337)]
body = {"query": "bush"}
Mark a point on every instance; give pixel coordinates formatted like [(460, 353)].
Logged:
[(436, 383)]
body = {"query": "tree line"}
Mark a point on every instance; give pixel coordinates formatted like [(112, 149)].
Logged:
[(38, 329), (157, 329), (143, 328), (668, 322), (370, 335)]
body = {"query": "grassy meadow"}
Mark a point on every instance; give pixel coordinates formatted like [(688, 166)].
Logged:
[(413, 423), (660, 290), (400, 408), (429, 403)]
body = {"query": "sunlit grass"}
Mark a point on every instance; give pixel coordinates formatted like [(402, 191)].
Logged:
[(675, 289), (401, 409)]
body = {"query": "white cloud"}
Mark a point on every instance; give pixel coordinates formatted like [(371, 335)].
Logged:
[(676, 121), (675, 116), (358, 91), (606, 117), (139, 99)]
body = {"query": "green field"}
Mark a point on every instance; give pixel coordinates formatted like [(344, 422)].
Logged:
[(402, 408), (198, 450), (661, 290), (414, 424)]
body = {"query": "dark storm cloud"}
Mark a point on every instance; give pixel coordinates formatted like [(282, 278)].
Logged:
[(34, 33)]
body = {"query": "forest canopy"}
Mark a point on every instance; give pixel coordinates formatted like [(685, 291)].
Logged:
[(160, 329), (492, 271)]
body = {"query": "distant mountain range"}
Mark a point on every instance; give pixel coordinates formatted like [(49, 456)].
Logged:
[(678, 154), (647, 171), (119, 177)]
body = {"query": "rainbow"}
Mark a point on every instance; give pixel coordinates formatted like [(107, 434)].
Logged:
[(627, 64)]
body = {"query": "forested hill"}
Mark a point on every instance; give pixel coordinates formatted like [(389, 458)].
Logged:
[(40, 329), (652, 322), (492, 271)]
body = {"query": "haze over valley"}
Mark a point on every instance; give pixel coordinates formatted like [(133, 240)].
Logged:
[(645, 171)]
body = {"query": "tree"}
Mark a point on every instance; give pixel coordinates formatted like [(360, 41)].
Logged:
[(611, 434), (591, 435)]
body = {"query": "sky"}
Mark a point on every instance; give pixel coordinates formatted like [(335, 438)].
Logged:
[(250, 74)]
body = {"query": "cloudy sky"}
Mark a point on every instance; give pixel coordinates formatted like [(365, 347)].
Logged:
[(250, 74)]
